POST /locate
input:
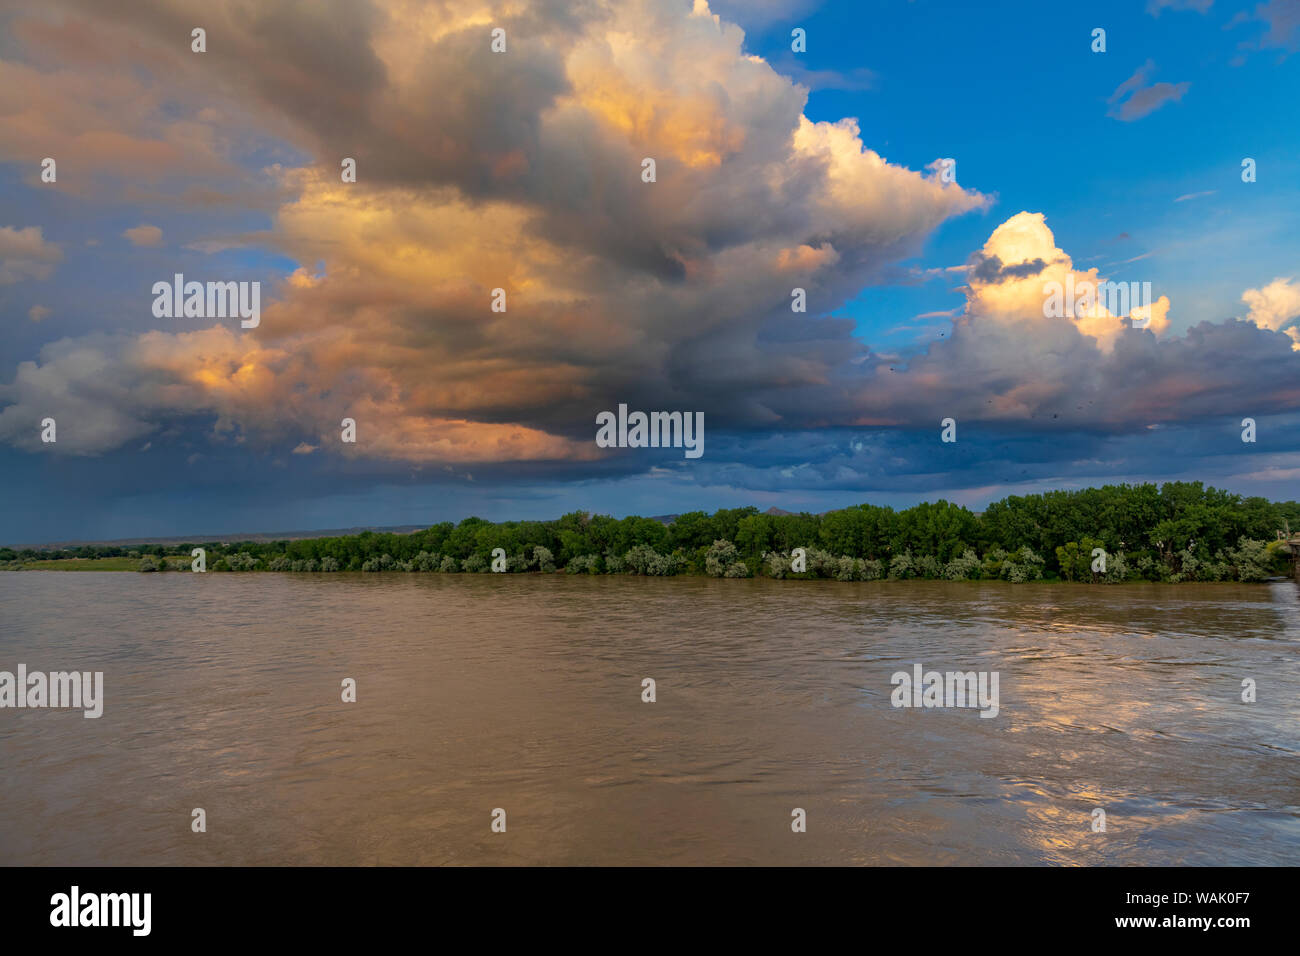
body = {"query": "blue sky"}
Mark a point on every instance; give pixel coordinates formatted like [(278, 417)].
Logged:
[(474, 168), (1014, 92)]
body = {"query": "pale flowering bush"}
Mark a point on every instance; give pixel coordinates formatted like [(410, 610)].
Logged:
[(583, 564), (964, 568), (720, 557), (643, 559), (928, 566), (902, 566), (821, 564), (243, 561), (1249, 559), (1023, 566), (776, 565)]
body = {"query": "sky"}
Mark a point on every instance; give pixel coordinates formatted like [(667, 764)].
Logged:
[(924, 171)]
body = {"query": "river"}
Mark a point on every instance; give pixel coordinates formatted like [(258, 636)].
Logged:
[(524, 693)]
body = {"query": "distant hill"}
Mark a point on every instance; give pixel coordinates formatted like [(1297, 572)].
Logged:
[(263, 536), (774, 511), (228, 538)]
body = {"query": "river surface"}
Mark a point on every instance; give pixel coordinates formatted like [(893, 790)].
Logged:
[(524, 693)]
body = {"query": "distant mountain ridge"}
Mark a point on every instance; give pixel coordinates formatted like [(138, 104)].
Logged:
[(263, 536), (229, 538)]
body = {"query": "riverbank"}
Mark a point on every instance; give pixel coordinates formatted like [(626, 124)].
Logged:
[(838, 572), (1181, 531)]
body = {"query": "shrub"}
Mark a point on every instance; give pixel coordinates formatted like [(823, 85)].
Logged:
[(965, 568), (927, 566), (1023, 566), (776, 565), (1117, 569), (901, 566), (993, 561), (1189, 566), (584, 564), (721, 556), (1249, 560), (821, 564), (1149, 568), (643, 559), (424, 561), (639, 558)]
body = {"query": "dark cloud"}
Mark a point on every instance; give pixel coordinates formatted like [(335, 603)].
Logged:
[(991, 270)]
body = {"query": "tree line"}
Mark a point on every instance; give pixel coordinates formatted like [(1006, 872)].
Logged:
[(1178, 531)]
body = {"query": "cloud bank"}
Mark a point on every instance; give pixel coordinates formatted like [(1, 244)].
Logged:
[(522, 171)]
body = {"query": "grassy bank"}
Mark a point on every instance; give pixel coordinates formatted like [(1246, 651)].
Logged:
[(79, 564)]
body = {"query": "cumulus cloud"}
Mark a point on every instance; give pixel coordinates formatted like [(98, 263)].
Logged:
[(144, 235), (1275, 306), (25, 254), (85, 386), (1007, 363), (522, 172), (1010, 280), (618, 290)]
